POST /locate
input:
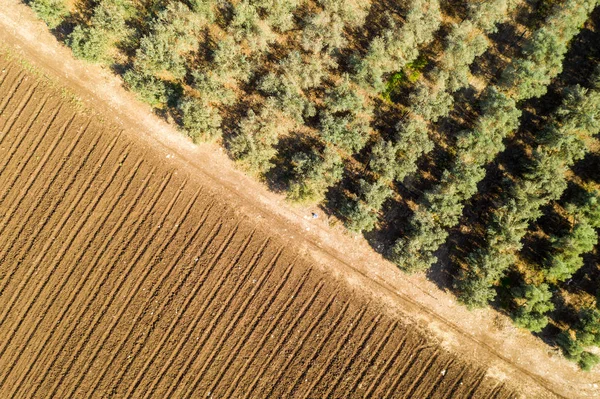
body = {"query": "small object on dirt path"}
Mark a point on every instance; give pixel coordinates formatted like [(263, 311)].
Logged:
[(314, 215)]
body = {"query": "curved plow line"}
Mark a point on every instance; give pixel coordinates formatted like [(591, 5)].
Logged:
[(493, 393), (457, 380), (338, 348), (215, 319), (66, 277), (109, 300), (317, 350), (98, 285), (250, 328), (283, 338), (5, 129), (53, 175), (386, 367), (478, 381), (389, 332), (188, 300), (140, 281), (23, 133), (366, 335), (233, 322), (157, 314), (284, 367), (198, 316), (40, 226), (11, 92), (151, 294), (263, 339), (25, 161), (416, 380), (55, 233), (59, 255), (426, 389), (5, 73)]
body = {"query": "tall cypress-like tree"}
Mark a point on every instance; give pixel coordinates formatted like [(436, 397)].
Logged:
[(558, 147), (567, 247)]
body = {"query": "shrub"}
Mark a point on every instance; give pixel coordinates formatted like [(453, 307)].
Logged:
[(314, 172), (149, 89), (199, 121), (52, 12)]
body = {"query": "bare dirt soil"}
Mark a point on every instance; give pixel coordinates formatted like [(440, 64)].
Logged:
[(135, 264), (124, 277)]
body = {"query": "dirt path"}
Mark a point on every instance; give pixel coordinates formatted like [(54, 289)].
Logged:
[(506, 353)]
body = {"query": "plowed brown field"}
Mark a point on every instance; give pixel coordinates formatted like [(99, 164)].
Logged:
[(123, 277)]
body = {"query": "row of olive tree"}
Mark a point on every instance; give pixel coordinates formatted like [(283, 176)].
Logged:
[(441, 207), (432, 98)]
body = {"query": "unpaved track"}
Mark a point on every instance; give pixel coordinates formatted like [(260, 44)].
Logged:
[(122, 276)]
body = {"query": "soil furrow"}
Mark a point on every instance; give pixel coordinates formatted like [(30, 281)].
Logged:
[(274, 322), (250, 328), (59, 288), (111, 297), (150, 359), (217, 288), (73, 323), (233, 322), (149, 297)]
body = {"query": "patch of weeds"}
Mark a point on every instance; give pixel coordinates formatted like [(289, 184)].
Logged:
[(402, 80)]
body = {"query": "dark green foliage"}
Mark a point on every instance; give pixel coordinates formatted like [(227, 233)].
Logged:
[(211, 88), (403, 79), (253, 144), (543, 53), (88, 44), (464, 43), (279, 12), (565, 257), (288, 83), (52, 12), (397, 46), (107, 29), (389, 161), (431, 100), (362, 212), (150, 89), (560, 145), (200, 121), (345, 120), (533, 302), (441, 207), (247, 27), (314, 172), (172, 39), (586, 333), (229, 63), (486, 14), (324, 31)]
